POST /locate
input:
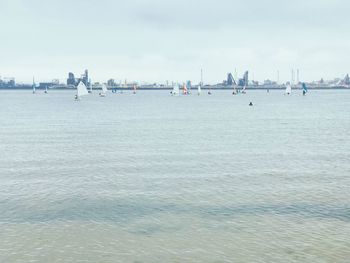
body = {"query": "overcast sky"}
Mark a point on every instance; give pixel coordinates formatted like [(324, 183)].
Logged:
[(159, 40)]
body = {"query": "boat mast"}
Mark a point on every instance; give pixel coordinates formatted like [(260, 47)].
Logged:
[(201, 83), (33, 85)]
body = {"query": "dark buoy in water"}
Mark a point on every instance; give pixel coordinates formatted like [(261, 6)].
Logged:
[(250, 103)]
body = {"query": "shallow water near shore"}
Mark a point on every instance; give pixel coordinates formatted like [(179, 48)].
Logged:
[(155, 178)]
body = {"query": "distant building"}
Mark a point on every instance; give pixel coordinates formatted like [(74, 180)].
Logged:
[(269, 82), (43, 85), (230, 80), (75, 81), (347, 80), (245, 77), (71, 79), (111, 83), (7, 83), (85, 78), (244, 81)]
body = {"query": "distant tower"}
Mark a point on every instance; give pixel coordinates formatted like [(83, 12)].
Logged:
[(71, 79), (245, 77), (85, 78), (244, 81), (230, 80)]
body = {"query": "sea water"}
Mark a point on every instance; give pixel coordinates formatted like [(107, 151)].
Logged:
[(148, 177)]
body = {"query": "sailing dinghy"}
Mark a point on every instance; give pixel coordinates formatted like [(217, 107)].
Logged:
[(81, 91)]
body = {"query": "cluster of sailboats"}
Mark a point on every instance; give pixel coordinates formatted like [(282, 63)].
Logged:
[(236, 90), (34, 87), (83, 91), (185, 91), (288, 90)]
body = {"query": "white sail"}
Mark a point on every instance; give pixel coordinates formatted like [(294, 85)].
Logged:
[(199, 89), (104, 88), (81, 89), (288, 89), (176, 89)]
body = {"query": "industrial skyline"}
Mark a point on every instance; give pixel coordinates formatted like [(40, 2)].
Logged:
[(231, 80)]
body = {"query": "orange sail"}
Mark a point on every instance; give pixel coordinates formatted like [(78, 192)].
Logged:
[(184, 89)]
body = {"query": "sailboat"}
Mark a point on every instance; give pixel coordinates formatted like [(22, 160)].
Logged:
[(209, 92), (185, 92), (234, 92), (304, 89), (288, 89), (134, 89), (33, 86), (243, 90), (45, 90), (104, 91), (81, 90), (176, 90), (189, 87), (199, 90), (90, 86)]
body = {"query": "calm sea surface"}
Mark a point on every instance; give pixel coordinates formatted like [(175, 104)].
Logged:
[(155, 178)]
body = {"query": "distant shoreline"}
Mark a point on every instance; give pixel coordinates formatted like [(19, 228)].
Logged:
[(194, 88)]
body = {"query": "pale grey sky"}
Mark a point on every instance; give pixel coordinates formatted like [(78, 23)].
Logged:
[(159, 40)]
